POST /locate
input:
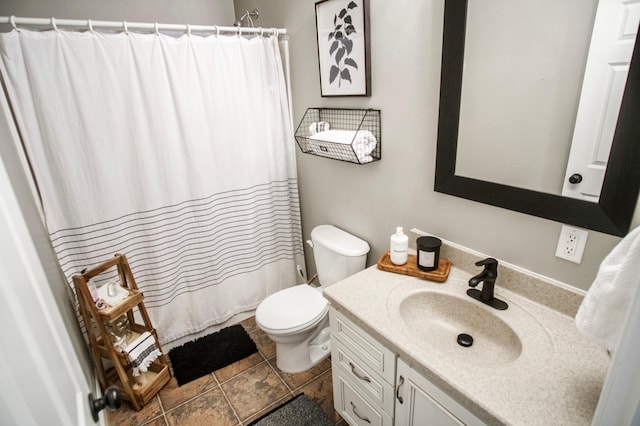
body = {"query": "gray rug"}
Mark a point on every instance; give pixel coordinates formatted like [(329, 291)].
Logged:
[(300, 410)]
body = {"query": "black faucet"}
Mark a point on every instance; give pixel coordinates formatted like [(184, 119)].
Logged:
[(488, 278)]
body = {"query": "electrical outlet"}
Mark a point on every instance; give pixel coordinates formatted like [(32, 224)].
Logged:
[(571, 243)]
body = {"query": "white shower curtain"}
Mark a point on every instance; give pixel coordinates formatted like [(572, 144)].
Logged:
[(175, 151)]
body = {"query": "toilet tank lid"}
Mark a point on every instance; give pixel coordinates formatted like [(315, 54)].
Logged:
[(339, 241)]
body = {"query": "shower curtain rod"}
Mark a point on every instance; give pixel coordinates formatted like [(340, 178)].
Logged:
[(126, 26)]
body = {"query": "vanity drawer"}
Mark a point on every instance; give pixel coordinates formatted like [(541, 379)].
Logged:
[(366, 381), (353, 407), (371, 353)]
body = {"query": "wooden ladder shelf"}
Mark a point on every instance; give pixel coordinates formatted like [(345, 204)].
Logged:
[(112, 365)]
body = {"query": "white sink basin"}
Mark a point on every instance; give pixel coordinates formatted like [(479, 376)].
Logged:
[(437, 319), (433, 317)]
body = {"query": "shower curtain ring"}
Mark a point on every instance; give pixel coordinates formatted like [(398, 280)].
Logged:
[(155, 27), (239, 31), (188, 30), (261, 31), (274, 32), (126, 28), (217, 30), (90, 25), (53, 24), (12, 20)]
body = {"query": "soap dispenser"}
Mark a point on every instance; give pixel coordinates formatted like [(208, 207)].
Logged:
[(399, 247)]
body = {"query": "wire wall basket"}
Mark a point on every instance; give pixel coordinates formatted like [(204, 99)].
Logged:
[(351, 135)]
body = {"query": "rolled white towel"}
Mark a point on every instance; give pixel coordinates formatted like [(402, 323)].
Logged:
[(319, 126), (363, 142)]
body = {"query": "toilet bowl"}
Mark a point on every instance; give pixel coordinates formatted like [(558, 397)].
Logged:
[(297, 318), (292, 318)]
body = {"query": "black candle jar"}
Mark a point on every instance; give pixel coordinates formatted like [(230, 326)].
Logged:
[(428, 253)]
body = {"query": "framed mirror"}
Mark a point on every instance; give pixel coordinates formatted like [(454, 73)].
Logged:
[(611, 214)]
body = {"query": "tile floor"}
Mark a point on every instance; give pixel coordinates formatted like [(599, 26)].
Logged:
[(234, 395)]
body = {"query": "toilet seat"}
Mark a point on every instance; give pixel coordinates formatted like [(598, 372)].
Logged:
[(291, 310)]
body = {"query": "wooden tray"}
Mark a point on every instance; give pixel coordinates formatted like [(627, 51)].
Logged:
[(411, 268)]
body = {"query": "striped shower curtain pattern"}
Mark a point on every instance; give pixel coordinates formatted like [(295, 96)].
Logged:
[(175, 151)]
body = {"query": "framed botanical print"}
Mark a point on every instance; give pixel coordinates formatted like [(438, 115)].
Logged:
[(342, 28)]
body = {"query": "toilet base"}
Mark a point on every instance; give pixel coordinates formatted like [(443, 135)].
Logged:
[(298, 357)]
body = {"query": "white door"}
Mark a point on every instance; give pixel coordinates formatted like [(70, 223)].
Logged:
[(614, 33), (41, 379)]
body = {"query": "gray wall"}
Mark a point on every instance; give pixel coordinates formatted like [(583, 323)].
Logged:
[(370, 200)]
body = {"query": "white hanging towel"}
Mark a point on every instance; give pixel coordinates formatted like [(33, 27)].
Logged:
[(142, 352), (602, 312)]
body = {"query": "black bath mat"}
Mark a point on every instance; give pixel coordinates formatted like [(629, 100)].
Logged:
[(300, 410), (210, 353)]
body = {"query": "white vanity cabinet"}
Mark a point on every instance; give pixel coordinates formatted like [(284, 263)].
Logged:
[(368, 389), (363, 374), (420, 402)]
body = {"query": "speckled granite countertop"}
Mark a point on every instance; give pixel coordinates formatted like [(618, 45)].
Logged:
[(556, 379)]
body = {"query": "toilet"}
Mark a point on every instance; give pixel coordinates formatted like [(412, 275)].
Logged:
[(297, 318)]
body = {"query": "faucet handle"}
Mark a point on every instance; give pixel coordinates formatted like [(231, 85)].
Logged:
[(490, 266), (489, 262), (488, 278)]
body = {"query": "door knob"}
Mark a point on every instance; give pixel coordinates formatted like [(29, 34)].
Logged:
[(575, 178), (111, 399)]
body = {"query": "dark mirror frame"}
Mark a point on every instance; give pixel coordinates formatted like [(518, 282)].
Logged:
[(619, 195)]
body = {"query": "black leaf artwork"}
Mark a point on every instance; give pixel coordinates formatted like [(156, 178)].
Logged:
[(351, 63), (333, 73), (339, 54), (342, 46), (348, 44), (333, 47), (345, 75)]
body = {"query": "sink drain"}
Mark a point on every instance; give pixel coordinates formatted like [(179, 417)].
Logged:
[(465, 340)]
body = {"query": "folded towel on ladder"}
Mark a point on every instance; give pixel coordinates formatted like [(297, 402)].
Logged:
[(603, 310), (363, 142), (142, 352)]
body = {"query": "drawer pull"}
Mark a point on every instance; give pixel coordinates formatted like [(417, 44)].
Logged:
[(359, 376), (400, 382), (355, 411)]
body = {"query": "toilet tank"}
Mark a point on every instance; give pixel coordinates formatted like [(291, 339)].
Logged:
[(337, 253)]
